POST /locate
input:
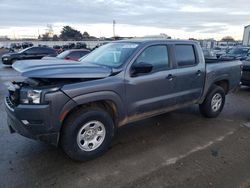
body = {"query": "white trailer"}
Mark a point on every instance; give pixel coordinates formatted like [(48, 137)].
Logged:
[(246, 36)]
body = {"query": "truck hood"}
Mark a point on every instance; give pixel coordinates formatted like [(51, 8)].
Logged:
[(60, 69)]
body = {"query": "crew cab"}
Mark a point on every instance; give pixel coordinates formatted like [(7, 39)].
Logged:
[(78, 106)]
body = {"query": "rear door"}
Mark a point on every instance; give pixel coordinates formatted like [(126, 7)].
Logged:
[(152, 91), (190, 75)]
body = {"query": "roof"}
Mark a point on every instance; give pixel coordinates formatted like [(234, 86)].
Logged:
[(78, 50), (153, 40)]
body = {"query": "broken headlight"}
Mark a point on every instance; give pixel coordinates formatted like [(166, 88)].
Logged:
[(31, 96)]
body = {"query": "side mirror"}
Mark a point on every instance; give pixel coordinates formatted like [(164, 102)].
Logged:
[(141, 68)]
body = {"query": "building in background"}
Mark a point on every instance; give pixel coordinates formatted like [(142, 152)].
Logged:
[(246, 36)]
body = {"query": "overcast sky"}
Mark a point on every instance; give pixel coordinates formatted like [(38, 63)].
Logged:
[(177, 18)]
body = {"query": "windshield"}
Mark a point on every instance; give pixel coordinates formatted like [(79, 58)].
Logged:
[(248, 58), (63, 54), (239, 51), (111, 55)]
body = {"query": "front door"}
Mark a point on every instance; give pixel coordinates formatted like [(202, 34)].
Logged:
[(151, 91)]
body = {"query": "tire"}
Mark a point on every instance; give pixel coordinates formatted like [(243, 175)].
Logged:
[(80, 138), (210, 110)]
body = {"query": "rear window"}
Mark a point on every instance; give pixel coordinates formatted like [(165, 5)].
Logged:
[(185, 55)]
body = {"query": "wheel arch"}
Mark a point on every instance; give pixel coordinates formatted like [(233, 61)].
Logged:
[(223, 84)]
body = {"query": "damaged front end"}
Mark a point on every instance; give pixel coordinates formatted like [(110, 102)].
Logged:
[(33, 108)]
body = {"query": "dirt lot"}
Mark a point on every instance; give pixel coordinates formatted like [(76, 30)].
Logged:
[(178, 149)]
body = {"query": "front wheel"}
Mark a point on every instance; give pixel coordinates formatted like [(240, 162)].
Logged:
[(213, 103), (87, 134)]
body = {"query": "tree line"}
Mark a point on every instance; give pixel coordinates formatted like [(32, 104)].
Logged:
[(67, 33)]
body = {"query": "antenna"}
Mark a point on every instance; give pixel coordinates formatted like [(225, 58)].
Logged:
[(114, 28), (49, 30)]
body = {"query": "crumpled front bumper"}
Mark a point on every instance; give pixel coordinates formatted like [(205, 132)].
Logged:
[(31, 121)]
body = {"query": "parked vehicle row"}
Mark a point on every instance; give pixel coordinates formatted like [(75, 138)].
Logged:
[(237, 53), (80, 105), (78, 45), (18, 46), (43, 53)]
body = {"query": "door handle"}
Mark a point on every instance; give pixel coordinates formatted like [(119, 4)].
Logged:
[(198, 73), (170, 77)]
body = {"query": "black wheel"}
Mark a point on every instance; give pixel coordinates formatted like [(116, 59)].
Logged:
[(213, 103), (87, 134)]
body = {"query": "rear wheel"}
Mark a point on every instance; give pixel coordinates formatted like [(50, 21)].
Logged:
[(213, 103), (87, 134)]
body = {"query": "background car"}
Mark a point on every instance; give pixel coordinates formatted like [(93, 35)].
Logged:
[(28, 53), (237, 53), (245, 79), (74, 55)]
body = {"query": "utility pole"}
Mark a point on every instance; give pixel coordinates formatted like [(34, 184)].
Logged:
[(114, 28)]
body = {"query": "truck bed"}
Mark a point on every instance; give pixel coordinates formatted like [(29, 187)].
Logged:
[(223, 70)]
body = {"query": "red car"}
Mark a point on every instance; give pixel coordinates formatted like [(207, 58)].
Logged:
[(74, 54)]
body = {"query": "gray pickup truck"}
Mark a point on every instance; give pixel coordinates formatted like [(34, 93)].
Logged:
[(79, 105)]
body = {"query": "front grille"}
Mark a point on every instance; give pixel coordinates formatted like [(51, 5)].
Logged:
[(9, 103)]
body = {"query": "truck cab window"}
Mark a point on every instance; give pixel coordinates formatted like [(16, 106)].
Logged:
[(156, 56), (185, 55)]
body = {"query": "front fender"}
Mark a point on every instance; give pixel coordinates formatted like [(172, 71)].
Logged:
[(94, 97)]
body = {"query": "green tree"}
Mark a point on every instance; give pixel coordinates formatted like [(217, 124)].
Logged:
[(68, 33), (55, 38), (228, 39), (45, 37), (85, 34)]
